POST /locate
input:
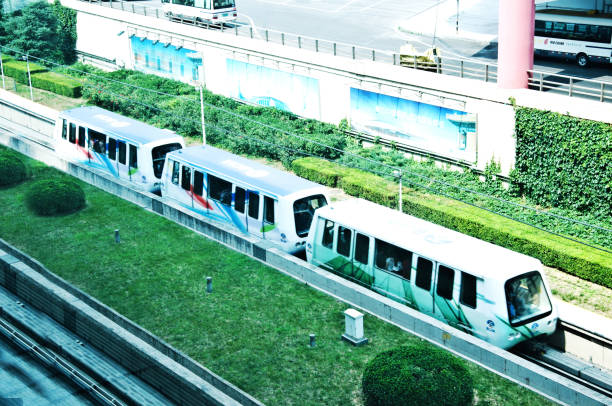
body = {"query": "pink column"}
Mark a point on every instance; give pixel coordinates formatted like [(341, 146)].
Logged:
[(515, 46)]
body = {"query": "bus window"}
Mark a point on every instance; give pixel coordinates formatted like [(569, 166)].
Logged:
[(392, 259), (327, 240), (468, 290), (303, 210), (344, 241), (423, 276), (72, 133), (122, 152), (268, 210), (198, 183), (175, 171), (446, 278), (186, 178), (239, 199), (220, 190), (64, 129), (253, 205), (98, 140), (362, 248), (133, 156), (112, 149), (81, 136), (217, 4)]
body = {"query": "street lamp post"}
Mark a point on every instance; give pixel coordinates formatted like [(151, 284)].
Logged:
[(457, 21)]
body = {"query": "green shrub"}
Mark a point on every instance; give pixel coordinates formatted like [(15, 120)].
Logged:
[(12, 169), (18, 70), (577, 259), (57, 83), (417, 375), (50, 197)]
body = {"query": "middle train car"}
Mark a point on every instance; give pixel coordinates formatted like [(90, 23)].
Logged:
[(485, 290), (256, 199)]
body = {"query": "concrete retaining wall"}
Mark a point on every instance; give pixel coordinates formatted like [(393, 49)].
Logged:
[(497, 360)]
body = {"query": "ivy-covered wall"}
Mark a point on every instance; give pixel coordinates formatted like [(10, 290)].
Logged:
[(564, 161)]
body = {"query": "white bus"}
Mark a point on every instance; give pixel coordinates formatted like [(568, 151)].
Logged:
[(573, 35), (204, 11)]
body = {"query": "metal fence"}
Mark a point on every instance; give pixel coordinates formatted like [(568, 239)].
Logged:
[(460, 67)]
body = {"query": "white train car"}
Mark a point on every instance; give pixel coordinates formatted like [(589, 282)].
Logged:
[(118, 145), (256, 199), (485, 290)]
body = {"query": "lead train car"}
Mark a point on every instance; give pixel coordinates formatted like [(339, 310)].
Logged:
[(256, 199), (485, 290), (118, 145)]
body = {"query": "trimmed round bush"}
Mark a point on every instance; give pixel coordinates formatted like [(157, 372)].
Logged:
[(49, 197), (12, 169), (420, 375)]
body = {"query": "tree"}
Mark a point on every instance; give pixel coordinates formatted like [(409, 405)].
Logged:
[(34, 31), (66, 18)]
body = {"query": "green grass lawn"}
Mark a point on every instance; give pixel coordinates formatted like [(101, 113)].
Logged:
[(253, 330)]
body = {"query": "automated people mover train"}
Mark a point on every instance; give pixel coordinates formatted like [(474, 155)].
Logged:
[(485, 290)]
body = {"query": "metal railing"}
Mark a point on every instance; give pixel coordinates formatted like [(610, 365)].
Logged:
[(570, 86), (460, 67)]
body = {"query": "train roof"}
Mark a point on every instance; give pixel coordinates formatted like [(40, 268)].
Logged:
[(237, 169), (115, 124), (451, 248)]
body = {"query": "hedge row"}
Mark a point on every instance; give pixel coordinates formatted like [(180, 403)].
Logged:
[(563, 161), (41, 78), (57, 83), (585, 262)]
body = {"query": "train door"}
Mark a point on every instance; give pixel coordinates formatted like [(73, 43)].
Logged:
[(82, 145), (185, 184), (422, 285), (269, 229), (254, 214), (122, 163), (240, 206), (323, 253), (133, 163), (112, 155), (468, 291), (445, 307)]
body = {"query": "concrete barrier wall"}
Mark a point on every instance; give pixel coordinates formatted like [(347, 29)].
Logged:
[(493, 358)]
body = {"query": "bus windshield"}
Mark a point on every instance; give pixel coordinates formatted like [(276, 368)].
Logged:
[(303, 211), (526, 298), (217, 4)]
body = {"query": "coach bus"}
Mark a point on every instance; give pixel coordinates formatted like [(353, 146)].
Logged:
[(573, 35), (203, 11)]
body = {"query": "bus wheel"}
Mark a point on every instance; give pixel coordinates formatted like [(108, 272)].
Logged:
[(582, 60)]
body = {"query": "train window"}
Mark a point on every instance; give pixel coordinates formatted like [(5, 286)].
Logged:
[(239, 198), (303, 210), (526, 298), (175, 171), (446, 277), (220, 189), (133, 156), (468, 290), (81, 136), (198, 183), (97, 141), (112, 149), (343, 247), (327, 240), (362, 248), (186, 178), (158, 154), (72, 133), (122, 152), (393, 259), (268, 210), (423, 276), (253, 205), (64, 129)]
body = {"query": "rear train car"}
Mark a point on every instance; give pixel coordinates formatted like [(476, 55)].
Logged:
[(485, 290), (120, 146), (256, 199)]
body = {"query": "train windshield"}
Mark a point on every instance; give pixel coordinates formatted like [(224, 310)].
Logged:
[(217, 4), (303, 211), (159, 155), (527, 299)]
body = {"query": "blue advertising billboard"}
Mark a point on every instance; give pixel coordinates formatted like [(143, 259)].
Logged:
[(166, 60), (274, 88), (441, 130)]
